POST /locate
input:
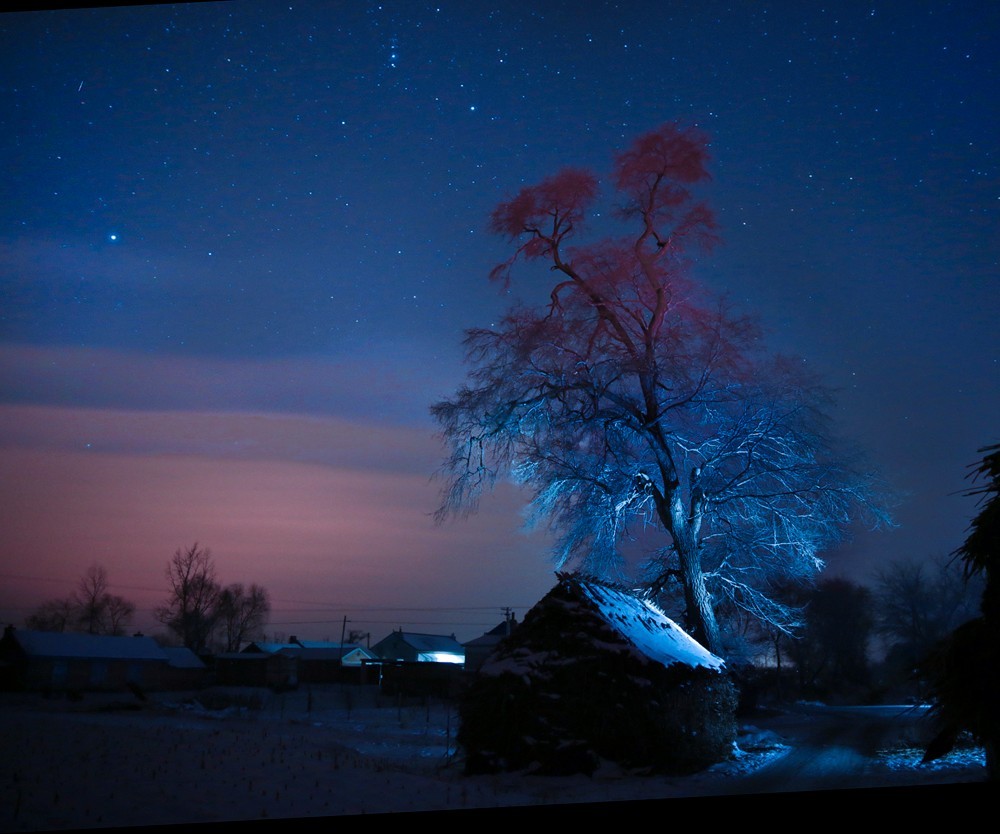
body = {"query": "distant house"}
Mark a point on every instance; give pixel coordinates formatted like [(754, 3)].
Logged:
[(479, 648), (256, 668), (348, 654), (185, 670), (318, 661), (411, 647), (262, 647), (43, 660), (420, 664)]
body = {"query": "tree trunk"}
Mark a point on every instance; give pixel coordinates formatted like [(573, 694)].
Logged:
[(700, 613)]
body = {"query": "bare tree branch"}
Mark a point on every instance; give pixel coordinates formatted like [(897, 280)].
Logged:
[(634, 397)]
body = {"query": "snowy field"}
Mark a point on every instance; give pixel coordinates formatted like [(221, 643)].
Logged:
[(250, 754)]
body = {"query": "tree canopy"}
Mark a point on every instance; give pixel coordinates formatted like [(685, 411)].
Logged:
[(190, 610), (90, 609), (634, 398), (199, 609), (242, 614)]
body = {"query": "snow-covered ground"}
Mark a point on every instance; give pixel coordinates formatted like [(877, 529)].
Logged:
[(109, 761)]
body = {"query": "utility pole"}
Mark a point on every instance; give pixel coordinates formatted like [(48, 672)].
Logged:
[(340, 652)]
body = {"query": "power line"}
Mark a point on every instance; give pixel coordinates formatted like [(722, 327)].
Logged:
[(357, 613), (379, 622)]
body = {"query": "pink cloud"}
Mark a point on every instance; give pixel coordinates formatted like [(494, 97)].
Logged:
[(380, 384), (332, 441), (311, 532)]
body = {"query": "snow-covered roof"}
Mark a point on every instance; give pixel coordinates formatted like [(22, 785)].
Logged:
[(182, 658), (307, 652), (488, 639), (646, 627), (493, 636), (326, 644), (268, 648), (298, 645), (427, 642), (639, 624), (87, 646)]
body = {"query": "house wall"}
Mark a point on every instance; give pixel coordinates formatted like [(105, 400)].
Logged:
[(174, 678), (87, 675), (442, 680), (475, 656), (394, 647), (257, 670)]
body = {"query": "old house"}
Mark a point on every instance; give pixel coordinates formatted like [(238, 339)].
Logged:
[(324, 651), (44, 660), (185, 670), (257, 668), (596, 672), (480, 648), (417, 664), (319, 661), (412, 647)]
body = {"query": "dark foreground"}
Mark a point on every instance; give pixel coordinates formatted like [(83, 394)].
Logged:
[(107, 761)]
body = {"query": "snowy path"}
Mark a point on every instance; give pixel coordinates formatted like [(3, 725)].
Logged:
[(848, 747)]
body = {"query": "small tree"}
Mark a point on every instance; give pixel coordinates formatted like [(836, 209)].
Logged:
[(635, 399), (919, 604), (242, 614), (54, 615), (118, 613), (190, 609), (358, 636), (89, 609), (832, 652), (91, 599)]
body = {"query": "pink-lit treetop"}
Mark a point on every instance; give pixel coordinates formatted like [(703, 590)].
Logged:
[(635, 398)]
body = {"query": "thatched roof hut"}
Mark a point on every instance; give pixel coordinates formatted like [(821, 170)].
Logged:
[(598, 672)]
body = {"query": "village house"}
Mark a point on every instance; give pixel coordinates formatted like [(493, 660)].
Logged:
[(417, 664), (480, 648), (57, 661), (257, 668), (344, 654), (412, 647), (297, 661)]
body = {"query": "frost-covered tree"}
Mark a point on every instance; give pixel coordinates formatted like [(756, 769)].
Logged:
[(633, 398)]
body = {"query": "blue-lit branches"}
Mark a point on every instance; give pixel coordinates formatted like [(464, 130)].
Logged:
[(634, 398)]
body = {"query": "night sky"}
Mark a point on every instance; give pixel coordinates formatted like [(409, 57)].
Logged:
[(240, 243)]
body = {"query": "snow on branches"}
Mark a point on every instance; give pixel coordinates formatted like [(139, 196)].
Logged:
[(634, 398)]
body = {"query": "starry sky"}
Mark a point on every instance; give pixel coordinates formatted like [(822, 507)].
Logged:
[(240, 243)]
